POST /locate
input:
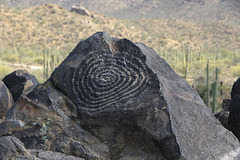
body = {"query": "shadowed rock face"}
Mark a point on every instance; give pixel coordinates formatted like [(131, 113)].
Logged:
[(234, 115), (20, 82)]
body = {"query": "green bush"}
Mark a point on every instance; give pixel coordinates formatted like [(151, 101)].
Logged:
[(5, 70), (38, 60), (10, 57), (235, 70)]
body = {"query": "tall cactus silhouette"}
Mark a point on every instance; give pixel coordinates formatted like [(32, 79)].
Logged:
[(208, 85), (215, 93), (187, 62)]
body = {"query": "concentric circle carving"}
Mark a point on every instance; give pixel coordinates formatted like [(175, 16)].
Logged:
[(103, 79)]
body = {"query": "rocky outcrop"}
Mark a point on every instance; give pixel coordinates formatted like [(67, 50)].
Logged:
[(115, 99), (126, 91), (20, 82), (6, 100), (80, 10), (49, 125)]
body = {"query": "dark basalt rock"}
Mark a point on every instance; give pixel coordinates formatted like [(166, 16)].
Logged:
[(20, 82), (223, 116), (112, 99), (13, 149), (49, 125), (133, 101), (6, 100), (234, 115), (49, 155), (7, 127)]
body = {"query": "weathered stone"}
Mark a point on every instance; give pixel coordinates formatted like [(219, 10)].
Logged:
[(49, 155), (6, 100), (20, 82), (133, 101), (9, 126), (13, 149)]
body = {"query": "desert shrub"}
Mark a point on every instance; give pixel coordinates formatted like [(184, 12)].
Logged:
[(27, 60), (235, 70), (10, 58), (5, 70), (38, 74), (38, 60)]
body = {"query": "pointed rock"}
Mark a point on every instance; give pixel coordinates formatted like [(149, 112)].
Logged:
[(137, 105)]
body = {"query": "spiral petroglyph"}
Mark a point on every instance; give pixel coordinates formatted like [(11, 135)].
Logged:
[(103, 79)]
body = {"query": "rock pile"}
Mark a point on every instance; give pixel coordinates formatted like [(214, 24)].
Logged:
[(115, 99)]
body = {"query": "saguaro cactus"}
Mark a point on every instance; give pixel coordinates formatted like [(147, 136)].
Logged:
[(215, 93), (187, 62), (208, 85)]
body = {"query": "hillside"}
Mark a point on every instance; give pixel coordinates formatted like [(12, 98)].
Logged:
[(55, 26), (207, 11), (40, 37)]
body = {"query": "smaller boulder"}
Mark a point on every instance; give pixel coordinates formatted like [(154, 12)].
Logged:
[(20, 82), (6, 100)]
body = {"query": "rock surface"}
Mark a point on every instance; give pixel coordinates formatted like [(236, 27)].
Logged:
[(13, 149), (112, 99), (49, 155), (6, 100), (48, 117), (125, 91), (20, 82)]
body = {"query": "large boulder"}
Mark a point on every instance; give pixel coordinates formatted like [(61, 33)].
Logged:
[(137, 105), (6, 100), (20, 82)]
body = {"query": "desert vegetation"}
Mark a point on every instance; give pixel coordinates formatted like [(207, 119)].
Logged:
[(40, 37)]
